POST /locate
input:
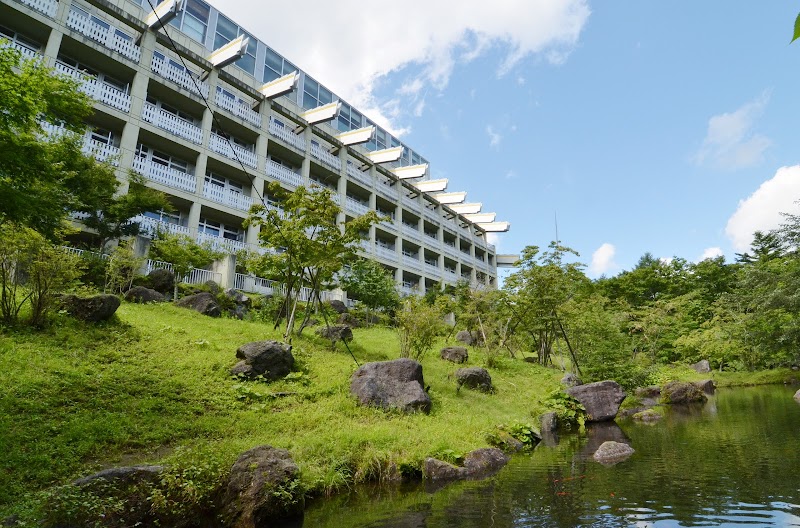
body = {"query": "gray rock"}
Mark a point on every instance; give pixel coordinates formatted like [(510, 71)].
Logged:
[(140, 294), (92, 309), (611, 452), (271, 359), (259, 489), (396, 384), (548, 422), (161, 280), (600, 399), (571, 380), (677, 392), (450, 319), (338, 306), (121, 476), (702, 366), (797, 395), (477, 464), (348, 319), (202, 302), (467, 337), (647, 415), (212, 287), (474, 378), (652, 391), (129, 485), (455, 354), (708, 386), (336, 333), (238, 297)]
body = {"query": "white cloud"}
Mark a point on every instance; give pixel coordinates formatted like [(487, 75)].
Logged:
[(603, 260), (710, 253), (730, 142), (494, 239), (761, 211), (351, 49), (511, 174), (494, 137)]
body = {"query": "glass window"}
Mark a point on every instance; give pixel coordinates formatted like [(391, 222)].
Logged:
[(226, 32), (276, 66)]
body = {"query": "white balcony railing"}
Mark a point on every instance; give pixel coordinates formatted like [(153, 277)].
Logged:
[(48, 7), (366, 246), (224, 244), (411, 262), (178, 76), (283, 174), (385, 252), (232, 151), (408, 203), (356, 207), (410, 232), (286, 135), (149, 227), (326, 157), (432, 270), (238, 109), (96, 89), (253, 284), (101, 151), (26, 51), (354, 173), (165, 175), (227, 197), (172, 123), (104, 33)]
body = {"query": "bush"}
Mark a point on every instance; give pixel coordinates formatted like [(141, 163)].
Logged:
[(418, 325)]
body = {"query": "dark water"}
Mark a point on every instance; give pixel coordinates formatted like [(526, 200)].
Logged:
[(733, 461)]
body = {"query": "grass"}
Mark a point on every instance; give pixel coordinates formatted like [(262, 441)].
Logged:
[(154, 387)]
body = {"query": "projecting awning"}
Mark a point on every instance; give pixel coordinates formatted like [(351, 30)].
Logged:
[(230, 52), (480, 218), (321, 113), (507, 261), (385, 155), (280, 86), (411, 171), (450, 198), (431, 185), (163, 13), (353, 137), (467, 208), (495, 227)]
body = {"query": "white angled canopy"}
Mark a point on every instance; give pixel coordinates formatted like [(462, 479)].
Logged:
[(431, 185), (280, 86), (321, 113), (495, 227), (163, 13), (230, 52), (467, 208), (480, 218), (450, 198), (385, 155), (353, 137), (410, 171)]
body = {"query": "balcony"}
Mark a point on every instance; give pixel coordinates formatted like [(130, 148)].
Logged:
[(104, 33), (413, 205), (48, 7), (411, 232), (172, 123), (238, 109), (387, 253), (366, 246), (27, 52), (225, 244), (98, 90), (411, 261), (387, 191), (101, 151), (227, 197), (149, 227), (232, 151), (355, 174), (283, 174), (165, 175), (354, 206), (433, 271), (326, 157), (450, 274), (406, 289), (180, 77), (286, 135)]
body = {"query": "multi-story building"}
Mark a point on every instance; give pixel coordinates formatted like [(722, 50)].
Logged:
[(211, 136)]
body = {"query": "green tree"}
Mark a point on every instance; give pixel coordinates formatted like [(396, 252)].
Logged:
[(372, 284), (183, 253), (418, 324), (306, 246), (42, 178)]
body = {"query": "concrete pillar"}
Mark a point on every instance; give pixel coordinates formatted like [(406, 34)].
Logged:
[(226, 267), (200, 174), (194, 218)]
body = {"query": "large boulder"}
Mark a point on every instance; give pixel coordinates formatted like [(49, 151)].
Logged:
[(708, 386), (396, 384), (202, 302), (548, 422), (261, 489), (348, 319), (571, 380), (338, 306), (600, 399), (477, 464), (455, 354), (467, 337), (336, 333), (161, 280), (140, 294), (474, 378), (611, 452), (270, 359), (130, 486), (238, 297), (212, 287), (682, 392), (702, 366), (92, 309)]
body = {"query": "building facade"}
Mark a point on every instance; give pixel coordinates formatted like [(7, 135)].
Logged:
[(210, 140)]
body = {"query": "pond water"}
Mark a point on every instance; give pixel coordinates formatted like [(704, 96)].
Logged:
[(733, 461)]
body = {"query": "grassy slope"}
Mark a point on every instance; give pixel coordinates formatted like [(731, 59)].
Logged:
[(155, 387)]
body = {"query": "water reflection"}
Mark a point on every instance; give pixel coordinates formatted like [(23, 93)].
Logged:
[(729, 462)]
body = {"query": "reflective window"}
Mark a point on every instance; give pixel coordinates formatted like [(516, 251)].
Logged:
[(276, 66), (226, 32), (349, 118), (193, 20), (314, 94)]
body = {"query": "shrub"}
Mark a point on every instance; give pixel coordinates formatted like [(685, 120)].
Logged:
[(418, 325)]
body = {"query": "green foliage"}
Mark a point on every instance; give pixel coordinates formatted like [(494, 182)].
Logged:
[(796, 34), (122, 267), (372, 284), (520, 431), (183, 253), (569, 410), (418, 325)]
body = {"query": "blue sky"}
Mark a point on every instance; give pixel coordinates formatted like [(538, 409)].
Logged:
[(668, 127)]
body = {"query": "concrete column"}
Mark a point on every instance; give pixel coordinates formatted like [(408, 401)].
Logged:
[(52, 46), (200, 174), (194, 218), (226, 267)]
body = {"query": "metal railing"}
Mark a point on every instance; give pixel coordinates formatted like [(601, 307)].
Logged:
[(238, 109), (26, 51), (48, 7), (196, 276), (326, 157), (286, 135), (179, 76), (227, 197), (165, 175), (172, 123), (149, 227), (96, 89), (356, 207), (232, 151), (104, 33), (284, 174)]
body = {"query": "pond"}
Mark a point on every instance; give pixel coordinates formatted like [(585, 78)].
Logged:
[(732, 461)]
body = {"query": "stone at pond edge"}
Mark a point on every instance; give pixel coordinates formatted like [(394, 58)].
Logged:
[(92, 309), (336, 333), (396, 384), (132, 485), (140, 294), (702, 366), (612, 452), (455, 354), (202, 302), (271, 359), (600, 399), (478, 463), (708, 386), (548, 422), (647, 415), (260, 489), (474, 378), (676, 392)]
